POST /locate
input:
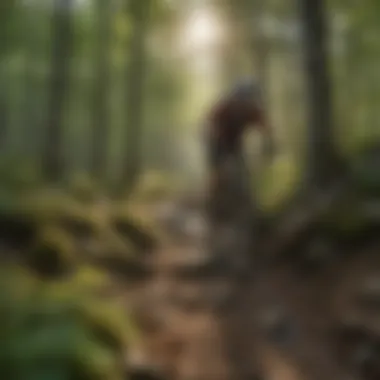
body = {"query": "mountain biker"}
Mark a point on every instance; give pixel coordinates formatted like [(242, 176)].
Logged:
[(228, 120)]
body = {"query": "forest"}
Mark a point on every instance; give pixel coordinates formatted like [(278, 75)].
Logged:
[(112, 267)]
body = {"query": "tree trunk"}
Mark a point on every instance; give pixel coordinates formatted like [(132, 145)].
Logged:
[(52, 163), (259, 44), (3, 112), (136, 69), (321, 160), (101, 91), (30, 102), (6, 12)]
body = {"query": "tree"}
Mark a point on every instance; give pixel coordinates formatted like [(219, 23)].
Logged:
[(101, 89), (52, 163), (322, 160), (6, 12), (356, 63), (34, 39), (136, 70)]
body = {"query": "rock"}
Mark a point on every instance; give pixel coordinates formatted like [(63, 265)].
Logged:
[(195, 226), (141, 238)]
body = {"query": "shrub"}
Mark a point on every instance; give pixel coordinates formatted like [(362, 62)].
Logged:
[(49, 332)]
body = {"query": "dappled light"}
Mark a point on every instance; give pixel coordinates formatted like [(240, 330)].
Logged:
[(202, 31), (189, 190)]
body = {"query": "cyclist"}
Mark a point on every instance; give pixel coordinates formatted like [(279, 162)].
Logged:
[(240, 109)]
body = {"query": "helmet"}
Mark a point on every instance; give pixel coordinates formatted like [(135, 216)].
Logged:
[(247, 88)]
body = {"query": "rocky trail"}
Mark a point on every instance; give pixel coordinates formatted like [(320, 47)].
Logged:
[(278, 326), (213, 311)]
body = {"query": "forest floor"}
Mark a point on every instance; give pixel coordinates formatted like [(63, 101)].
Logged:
[(279, 323), (210, 303)]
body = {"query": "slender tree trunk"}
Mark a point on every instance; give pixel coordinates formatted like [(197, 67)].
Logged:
[(31, 130), (101, 91), (52, 163), (6, 12), (259, 44), (322, 160), (3, 111), (28, 110), (136, 70)]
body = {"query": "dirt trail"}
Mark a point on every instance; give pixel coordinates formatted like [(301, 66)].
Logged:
[(206, 320)]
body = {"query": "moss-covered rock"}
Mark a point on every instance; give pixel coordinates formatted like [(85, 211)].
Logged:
[(82, 222), (80, 226), (107, 323), (140, 236), (53, 254), (154, 186), (95, 362), (83, 189)]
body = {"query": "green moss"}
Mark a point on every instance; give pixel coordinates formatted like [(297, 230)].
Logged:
[(95, 362), (63, 328), (59, 330), (83, 189), (53, 254), (81, 225), (140, 235), (154, 186), (106, 323)]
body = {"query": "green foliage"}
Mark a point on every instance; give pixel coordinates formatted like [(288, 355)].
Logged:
[(349, 215), (162, 11), (7, 9), (59, 234), (55, 320), (345, 218), (49, 331), (108, 325), (62, 209), (277, 183), (365, 169), (23, 176)]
